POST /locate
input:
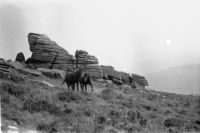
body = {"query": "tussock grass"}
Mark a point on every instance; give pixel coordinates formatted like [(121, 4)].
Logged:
[(115, 109)]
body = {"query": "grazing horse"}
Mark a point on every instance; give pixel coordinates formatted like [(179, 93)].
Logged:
[(72, 78), (85, 79)]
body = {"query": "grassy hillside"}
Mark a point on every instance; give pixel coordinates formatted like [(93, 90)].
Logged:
[(182, 80), (110, 109)]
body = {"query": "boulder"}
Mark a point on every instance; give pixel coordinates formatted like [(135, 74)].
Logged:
[(16, 76), (110, 72), (5, 69), (117, 81), (8, 71), (126, 78), (140, 80), (9, 60), (48, 54), (20, 57)]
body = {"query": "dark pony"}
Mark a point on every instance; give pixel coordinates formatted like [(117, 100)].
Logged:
[(85, 79), (72, 78)]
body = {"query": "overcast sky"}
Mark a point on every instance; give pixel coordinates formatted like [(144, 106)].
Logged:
[(136, 36)]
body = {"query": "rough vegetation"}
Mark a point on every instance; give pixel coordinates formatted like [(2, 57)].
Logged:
[(110, 108)]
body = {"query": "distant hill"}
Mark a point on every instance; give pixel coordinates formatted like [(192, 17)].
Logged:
[(182, 79)]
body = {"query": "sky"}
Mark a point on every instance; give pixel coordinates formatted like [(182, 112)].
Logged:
[(135, 36)]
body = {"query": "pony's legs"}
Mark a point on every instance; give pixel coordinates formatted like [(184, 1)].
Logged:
[(68, 87), (82, 87), (73, 87), (91, 87), (77, 86), (85, 85)]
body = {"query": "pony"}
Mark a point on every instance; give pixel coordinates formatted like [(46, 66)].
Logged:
[(73, 78), (85, 79)]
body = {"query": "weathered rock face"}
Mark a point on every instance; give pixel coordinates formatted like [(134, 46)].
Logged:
[(47, 54), (84, 58), (111, 74), (140, 80), (94, 70), (110, 71), (20, 57), (7, 71), (125, 77), (89, 63)]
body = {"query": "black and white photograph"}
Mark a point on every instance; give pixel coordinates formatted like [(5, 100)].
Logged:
[(100, 66)]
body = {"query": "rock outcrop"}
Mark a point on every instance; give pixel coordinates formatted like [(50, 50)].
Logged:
[(140, 80), (48, 54), (111, 74), (8, 71), (84, 58), (5, 69), (89, 63), (20, 57), (109, 71), (125, 77)]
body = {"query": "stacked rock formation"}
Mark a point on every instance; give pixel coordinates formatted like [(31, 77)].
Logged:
[(89, 63), (84, 58), (47, 54)]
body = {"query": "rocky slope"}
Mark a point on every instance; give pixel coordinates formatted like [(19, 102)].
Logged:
[(41, 104)]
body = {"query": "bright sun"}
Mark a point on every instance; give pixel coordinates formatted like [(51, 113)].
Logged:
[(168, 42)]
